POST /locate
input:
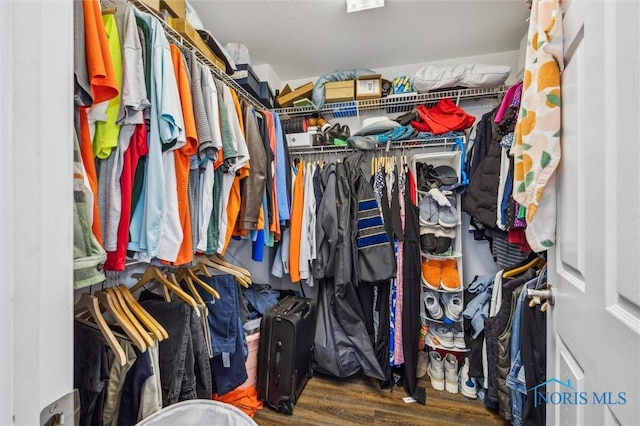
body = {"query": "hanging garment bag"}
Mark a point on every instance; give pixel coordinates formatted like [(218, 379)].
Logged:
[(286, 345)]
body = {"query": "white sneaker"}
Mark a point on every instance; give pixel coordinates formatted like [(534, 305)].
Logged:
[(468, 386), (440, 337), (431, 303), (453, 306), (436, 370), (458, 339), (451, 373)]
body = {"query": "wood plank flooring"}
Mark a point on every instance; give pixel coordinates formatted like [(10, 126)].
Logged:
[(360, 401)]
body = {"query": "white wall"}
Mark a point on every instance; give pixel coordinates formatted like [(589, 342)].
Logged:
[(36, 218), (509, 58)]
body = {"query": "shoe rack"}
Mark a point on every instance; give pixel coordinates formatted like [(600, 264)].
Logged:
[(442, 329)]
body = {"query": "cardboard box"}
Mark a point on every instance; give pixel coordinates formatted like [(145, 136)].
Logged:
[(176, 8), (190, 33), (247, 79), (153, 4), (299, 139), (251, 364), (339, 91), (286, 99), (369, 87)]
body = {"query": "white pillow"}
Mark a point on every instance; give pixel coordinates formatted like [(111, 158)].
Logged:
[(433, 77)]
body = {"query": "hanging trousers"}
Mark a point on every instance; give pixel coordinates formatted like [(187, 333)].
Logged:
[(533, 346), (411, 298)]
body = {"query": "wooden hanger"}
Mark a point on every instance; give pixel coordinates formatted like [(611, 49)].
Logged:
[(537, 262), (89, 303), (119, 299), (106, 301), (190, 277), (202, 268), (242, 280), (152, 273), (109, 10), (145, 317), (219, 259)]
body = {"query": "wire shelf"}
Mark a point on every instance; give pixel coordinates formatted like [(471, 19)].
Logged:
[(393, 103), (434, 142), (177, 38)]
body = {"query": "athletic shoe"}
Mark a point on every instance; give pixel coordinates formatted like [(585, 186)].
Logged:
[(428, 210), (440, 337), (452, 307), (448, 214), (458, 339), (436, 370), (468, 386), (451, 373), (431, 303)]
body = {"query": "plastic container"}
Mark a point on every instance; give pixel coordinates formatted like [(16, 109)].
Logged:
[(199, 412)]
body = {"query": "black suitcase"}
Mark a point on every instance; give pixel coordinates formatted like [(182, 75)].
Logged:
[(287, 332)]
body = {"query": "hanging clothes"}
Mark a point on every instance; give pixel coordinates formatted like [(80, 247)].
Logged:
[(412, 282), (536, 149)]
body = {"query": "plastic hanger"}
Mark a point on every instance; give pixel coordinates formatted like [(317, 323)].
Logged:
[(145, 317), (152, 273), (89, 303)]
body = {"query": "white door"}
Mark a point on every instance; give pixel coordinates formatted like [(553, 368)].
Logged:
[(594, 327), (36, 208)]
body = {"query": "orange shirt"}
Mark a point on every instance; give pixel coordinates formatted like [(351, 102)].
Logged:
[(99, 66), (183, 155), (86, 151), (104, 86), (296, 224)]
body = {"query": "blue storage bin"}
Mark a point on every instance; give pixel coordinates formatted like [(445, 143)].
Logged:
[(344, 109), (247, 79), (266, 97)]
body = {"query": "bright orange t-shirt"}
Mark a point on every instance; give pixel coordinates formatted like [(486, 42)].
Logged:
[(183, 155)]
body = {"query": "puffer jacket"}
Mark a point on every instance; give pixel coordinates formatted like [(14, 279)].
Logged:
[(480, 199), (495, 326)]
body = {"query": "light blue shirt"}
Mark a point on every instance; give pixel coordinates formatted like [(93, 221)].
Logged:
[(165, 127)]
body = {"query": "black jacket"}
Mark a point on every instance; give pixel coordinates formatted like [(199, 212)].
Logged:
[(481, 197)]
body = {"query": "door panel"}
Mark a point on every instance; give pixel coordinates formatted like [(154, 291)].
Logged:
[(594, 327)]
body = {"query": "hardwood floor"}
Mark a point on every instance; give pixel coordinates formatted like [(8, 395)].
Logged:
[(360, 401)]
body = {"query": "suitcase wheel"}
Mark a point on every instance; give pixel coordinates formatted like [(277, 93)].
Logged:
[(286, 407)]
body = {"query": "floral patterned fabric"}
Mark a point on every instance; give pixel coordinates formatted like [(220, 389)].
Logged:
[(536, 147)]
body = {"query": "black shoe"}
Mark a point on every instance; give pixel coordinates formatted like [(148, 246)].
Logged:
[(344, 132)]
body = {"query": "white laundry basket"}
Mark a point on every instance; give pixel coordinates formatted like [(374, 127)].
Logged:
[(199, 412)]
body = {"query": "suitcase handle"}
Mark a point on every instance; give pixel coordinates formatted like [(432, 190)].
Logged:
[(276, 363)]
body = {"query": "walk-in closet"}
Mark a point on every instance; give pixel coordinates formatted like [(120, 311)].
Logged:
[(316, 213)]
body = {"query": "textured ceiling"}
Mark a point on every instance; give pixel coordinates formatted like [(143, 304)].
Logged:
[(304, 38)]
